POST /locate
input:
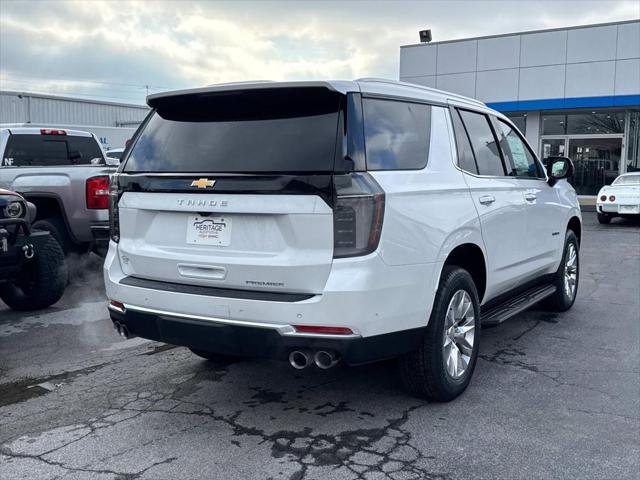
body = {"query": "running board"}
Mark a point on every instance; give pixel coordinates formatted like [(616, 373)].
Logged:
[(515, 305)]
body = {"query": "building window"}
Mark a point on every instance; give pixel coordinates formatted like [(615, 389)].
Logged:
[(596, 123), (603, 122), (553, 124), (519, 120), (633, 145)]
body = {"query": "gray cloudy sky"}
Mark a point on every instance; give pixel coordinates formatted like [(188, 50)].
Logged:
[(111, 50)]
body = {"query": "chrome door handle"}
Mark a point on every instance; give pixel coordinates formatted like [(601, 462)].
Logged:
[(487, 199), (530, 197)]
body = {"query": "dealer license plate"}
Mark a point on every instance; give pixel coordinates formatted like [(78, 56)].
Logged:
[(628, 208), (209, 230)]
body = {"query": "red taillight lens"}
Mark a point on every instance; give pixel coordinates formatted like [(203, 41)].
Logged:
[(323, 330), (612, 198), (117, 305), (357, 215), (52, 131), (98, 192), (114, 214), (603, 198)]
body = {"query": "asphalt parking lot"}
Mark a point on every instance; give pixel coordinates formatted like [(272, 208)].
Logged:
[(553, 396)]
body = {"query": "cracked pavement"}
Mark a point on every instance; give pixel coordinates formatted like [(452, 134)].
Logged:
[(553, 396)]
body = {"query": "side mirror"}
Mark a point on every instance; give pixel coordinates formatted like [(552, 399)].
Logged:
[(558, 168)]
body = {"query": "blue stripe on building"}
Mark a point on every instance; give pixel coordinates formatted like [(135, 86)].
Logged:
[(561, 103)]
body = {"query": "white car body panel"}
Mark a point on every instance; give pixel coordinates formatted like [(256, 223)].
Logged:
[(288, 240)]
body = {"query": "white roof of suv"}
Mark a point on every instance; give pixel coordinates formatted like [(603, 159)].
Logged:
[(373, 86)]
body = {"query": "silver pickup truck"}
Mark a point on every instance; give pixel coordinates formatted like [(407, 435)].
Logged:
[(65, 174)]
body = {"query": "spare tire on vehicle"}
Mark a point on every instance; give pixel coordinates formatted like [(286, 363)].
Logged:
[(41, 282)]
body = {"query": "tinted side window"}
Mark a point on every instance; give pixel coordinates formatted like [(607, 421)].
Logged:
[(466, 160), (515, 149), (484, 143), (396, 134)]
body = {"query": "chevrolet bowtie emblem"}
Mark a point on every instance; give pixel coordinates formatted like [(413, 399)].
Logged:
[(203, 183)]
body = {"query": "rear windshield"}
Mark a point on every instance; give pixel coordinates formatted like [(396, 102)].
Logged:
[(51, 150), (628, 180), (260, 131)]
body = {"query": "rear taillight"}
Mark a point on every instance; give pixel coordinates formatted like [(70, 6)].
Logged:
[(357, 216), (603, 198), (98, 192), (114, 216), (52, 131), (612, 198)]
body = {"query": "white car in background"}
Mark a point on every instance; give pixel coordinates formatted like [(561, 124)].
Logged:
[(115, 154), (620, 199)]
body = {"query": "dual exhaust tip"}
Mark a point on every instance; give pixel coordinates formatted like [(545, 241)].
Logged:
[(324, 359), (122, 330)]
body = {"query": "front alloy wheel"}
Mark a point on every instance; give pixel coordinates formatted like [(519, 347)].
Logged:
[(571, 271), (567, 277)]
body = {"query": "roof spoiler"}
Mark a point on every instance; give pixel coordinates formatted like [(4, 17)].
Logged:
[(338, 86)]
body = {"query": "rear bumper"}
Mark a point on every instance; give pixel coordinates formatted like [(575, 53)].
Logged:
[(265, 341), (616, 208), (379, 303)]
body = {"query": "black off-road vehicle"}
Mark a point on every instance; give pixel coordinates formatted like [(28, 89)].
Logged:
[(33, 273)]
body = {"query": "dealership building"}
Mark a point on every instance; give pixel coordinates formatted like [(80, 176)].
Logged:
[(572, 91)]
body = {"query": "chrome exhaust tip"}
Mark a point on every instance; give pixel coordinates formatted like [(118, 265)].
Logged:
[(325, 359), (124, 332), (300, 359)]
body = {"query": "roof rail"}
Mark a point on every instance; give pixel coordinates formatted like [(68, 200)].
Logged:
[(421, 87), (239, 83), (376, 79)]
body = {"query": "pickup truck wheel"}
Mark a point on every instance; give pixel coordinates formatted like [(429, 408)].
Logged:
[(567, 277), (41, 282), (604, 219), (217, 358), (57, 229), (442, 367)]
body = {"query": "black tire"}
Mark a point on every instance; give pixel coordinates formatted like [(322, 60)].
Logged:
[(57, 228), (424, 372), (604, 219), (560, 301), (41, 281), (216, 358)]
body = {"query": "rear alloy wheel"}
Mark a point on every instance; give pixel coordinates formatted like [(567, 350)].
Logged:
[(459, 334), (442, 367), (567, 277), (604, 219)]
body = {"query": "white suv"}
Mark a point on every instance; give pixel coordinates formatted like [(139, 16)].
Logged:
[(319, 221)]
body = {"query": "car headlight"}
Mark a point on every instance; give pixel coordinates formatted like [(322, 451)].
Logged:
[(14, 210)]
